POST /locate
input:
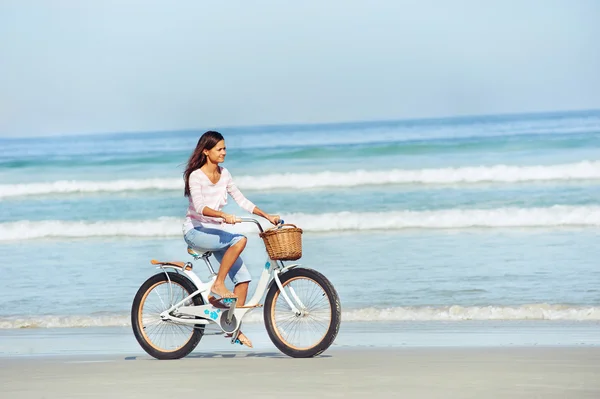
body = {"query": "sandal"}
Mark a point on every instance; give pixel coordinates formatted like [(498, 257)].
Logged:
[(228, 295), (222, 303)]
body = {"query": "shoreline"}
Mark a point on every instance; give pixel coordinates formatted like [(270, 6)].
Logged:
[(115, 341)]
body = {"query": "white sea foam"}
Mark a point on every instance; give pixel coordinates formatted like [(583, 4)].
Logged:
[(74, 321), (458, 313), (585, 170), (78, 186), (550, 217), (417, 313)]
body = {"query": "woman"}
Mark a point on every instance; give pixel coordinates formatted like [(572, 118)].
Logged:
[(207, 185)]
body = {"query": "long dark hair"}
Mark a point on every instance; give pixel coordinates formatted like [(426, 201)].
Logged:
[(206, 142)]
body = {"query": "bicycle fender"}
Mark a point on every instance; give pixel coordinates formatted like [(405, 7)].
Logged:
[(175, 268)]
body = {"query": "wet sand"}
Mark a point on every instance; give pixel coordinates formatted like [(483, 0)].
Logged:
[(497, 372)]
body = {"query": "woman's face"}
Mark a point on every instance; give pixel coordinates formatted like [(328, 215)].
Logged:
[(217, 153)]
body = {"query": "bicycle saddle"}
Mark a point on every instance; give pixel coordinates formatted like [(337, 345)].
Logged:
[(196, 254)]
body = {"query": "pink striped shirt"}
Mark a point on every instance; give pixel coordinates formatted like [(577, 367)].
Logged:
[(203, 193)]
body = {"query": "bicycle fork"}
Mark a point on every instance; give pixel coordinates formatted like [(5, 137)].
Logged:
[(298, 311)]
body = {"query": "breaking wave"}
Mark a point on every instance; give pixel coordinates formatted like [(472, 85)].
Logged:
[(585, 170), (550, 217), (416, 313)]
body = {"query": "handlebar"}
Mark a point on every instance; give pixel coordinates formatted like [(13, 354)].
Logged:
[(252, 220)]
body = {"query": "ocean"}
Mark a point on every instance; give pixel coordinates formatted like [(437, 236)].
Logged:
[(487, 218)]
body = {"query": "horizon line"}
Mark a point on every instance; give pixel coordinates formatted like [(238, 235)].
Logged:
[(308, 124)]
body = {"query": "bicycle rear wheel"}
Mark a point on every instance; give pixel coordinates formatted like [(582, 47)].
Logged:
[(164, 340), (314, 328)]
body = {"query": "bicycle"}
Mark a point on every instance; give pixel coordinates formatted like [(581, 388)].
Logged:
[(183, 309)]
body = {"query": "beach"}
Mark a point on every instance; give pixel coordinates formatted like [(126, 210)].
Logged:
[(524, 372), (414, 360)]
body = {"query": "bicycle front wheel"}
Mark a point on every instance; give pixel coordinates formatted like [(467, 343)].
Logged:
[(163, 339), (314, 327)]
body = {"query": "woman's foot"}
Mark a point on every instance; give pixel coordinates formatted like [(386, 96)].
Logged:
[(242, 339), (222, 291)]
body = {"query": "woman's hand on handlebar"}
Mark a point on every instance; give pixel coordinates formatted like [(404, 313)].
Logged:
[(274, 219), (230, 219)]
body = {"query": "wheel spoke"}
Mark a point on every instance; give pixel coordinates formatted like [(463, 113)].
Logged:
[(304, 331), (165, 336)]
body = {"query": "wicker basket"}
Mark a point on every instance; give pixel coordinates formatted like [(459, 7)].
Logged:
[(283, 242)]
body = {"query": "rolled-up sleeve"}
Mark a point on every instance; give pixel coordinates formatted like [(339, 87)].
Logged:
[(196, 194)]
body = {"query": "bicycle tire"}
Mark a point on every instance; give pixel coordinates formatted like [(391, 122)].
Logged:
[(138, 328), (335, 307)]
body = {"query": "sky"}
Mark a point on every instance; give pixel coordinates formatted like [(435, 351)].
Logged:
[(77, 67)]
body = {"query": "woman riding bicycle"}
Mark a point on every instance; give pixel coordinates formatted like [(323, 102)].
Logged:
[(207, 185)]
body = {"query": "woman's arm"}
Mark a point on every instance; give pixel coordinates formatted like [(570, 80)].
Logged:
[(196, 194), (274, 219), (246, 204), (237, 195), (218, 214)]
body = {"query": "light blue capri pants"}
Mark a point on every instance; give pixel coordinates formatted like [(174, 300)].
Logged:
[(218, 241)]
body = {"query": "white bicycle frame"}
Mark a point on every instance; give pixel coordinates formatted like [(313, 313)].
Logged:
[(228, 321)]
